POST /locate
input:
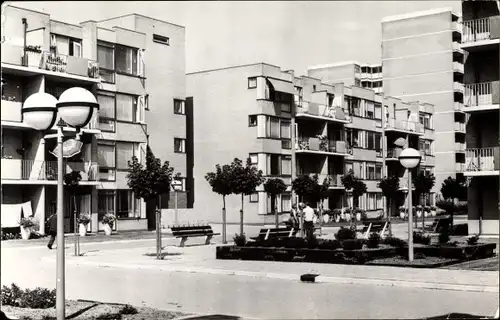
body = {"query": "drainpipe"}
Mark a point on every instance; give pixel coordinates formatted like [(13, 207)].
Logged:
[(25, 23)]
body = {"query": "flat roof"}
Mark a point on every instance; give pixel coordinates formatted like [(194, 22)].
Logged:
[(417, 14), (343, 63), (142, 16), (237, 66)]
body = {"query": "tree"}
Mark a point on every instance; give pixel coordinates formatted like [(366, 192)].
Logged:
[(389, 187), (221, 182), (245, 180), (452, 189), (304, 187), (423, 184), (149, 183), (355, 185), (72, 182), (274, 187)]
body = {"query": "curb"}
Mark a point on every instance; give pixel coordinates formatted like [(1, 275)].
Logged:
[(296, 277), (37, 246)]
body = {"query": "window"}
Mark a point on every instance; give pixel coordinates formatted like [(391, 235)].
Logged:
[(252, 83), (106, 111), (286, 107), (274, 165), (286, 165), (425, 120), (127, 205), (126, 107), (179, 107), (286, 202), (286, 144), (285, 131), (179, 145), (374, 201), (254, 197), (314, 87), (254, 159), (378, 171), (273, 127), (124, 153), (252, 121), (370, 110), (106, 59), (161, 39), (126, 59), (356, 106), (370, 171), (370, 139), (378, 112), (106, 160), (105, 202)]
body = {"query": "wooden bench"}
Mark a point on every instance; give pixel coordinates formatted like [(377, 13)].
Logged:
[(379, 227), (274, 233), (438, 224), (185, 232)]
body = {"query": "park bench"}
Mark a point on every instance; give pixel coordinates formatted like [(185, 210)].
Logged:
[(379, 227), (185, 232), (274, 233), (438, 224)]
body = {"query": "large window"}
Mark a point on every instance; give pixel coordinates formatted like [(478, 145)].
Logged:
[(106, 160), (127, 205), (274, 165), (369, 110), (105, 202), (179, 145), (374, 201), (273, 127), (254, 159), (126, 59), (106, 111), (126, 108), (425, 120), (124, 153), (106, 59), (278, 165), (286, 202), (286, 165)]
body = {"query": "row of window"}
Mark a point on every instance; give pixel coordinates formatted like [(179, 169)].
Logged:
[(365, 170), (364, 139), (118, 58), (121, 203), (425, 146), (275, 164)]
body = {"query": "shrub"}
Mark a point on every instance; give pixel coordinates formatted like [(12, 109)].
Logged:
[(128, 309), (329, 244), (419, 237), (296, 243), (336, 211), (461, 208), (352, 244), (10, 236), (38, 298), (419, 255), (240, 240), (444, 236), (374, 240), (427, 209), (461, 229), (345, 234), (447, 205), (394, 242), (472, 241), (312, 242), (108, 219), (28, 222)]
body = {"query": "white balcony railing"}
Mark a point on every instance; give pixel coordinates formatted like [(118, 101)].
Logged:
[(482, 159), (460, 167), (458, 66), (458, 86), (477, 94), (458, 106), (320, 110), (20, 169), (476, 30), (459, 146), (405, 125), (459, 126)]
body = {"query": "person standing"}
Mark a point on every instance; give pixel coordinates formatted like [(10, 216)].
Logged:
[(52, 224), (308, 220), (295, 219)]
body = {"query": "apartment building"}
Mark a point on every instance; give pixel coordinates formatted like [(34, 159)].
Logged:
[(480, 41), (134, 65), (422, 60), (290, 126), (351, 73)]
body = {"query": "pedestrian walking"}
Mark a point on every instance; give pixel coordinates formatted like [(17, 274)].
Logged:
[(308, 220), (52, 226), (295, 219)]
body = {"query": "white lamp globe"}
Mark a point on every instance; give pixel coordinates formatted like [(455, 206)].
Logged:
[(39, 111), (409, 158), (76, 106)]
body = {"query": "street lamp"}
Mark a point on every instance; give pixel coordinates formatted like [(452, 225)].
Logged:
[(40, 110), (410, 158)]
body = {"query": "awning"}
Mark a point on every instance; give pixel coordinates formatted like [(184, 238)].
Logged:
[(281, 86)]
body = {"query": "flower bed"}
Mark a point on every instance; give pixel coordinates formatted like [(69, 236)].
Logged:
[(418, 262), (462, 252)]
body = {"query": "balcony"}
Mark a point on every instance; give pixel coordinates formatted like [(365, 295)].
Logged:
[(480, 30), (320, 112), (320, 146), (459, 167), (393, 154), (11, 111), (460, 127), (38, 170), (458, 106), (455, 46), (482, 161), (49, 62), (456, 27), (458, 67), (336, 181), (482, 96), (459, 87), (404, 126), (459, 147)]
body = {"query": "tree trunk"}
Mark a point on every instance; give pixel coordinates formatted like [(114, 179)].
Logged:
[(224, 240), (241, 214), (273, 201), (389, 212)]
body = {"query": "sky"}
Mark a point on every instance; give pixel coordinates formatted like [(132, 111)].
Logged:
[(289, 34)]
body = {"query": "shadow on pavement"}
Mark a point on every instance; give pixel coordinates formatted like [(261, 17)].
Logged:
[(458, 316), (213, 317)]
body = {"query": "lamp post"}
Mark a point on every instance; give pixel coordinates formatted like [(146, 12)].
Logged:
[(410, 158), (40, 111)]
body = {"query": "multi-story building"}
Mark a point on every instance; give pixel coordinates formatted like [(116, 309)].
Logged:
[(480, 40), (351, 73), (292, 126), (134, 65), (422, 60)]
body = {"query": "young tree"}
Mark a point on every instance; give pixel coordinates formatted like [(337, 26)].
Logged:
[(274, 187), (355, 185), (423, 184), (389, 187), (452, 189), (304, 187), (221, 182), (149, 183), (245, 180)]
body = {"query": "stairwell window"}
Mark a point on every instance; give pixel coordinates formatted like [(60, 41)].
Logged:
[(252, 121), (124, 153), (179, 145), (161, 39), (179, 107), (254, 197), (252, 83)]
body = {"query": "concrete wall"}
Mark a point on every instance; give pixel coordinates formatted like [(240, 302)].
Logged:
[(335, 74), (482, 200)]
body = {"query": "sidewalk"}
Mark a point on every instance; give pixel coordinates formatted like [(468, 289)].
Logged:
[(201, 259)]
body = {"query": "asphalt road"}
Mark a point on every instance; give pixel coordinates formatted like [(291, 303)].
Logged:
[(243, 296)]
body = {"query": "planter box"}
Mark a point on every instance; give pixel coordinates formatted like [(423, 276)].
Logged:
[(467, 252), (303, 254)]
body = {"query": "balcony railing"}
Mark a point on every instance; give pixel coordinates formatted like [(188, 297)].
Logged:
[(460, 167), (482, 159), (316, 144), (457, 86), (459, 147), (476, 30), (458, 66), (459, 126), (405, 125), (49, 61), (320, 110), (18, 169), (393, 153), (486, 93), (458, 106)]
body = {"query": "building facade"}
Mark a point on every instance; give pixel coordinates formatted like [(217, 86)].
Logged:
[(481, 40), (290, 126), (118, 61)]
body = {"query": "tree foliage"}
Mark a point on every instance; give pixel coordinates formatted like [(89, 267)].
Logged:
[(355, 185), (221, 180), (453, 188), (245, 178), (389, 187), (72, 180), (152, 180), (304, 186), (423, 183), (274, 187)]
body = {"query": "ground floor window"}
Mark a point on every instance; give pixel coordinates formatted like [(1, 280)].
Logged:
[(374, 201), (283, 203), (121, 203)]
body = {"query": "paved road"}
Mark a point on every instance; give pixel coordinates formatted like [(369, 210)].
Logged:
[(244, 296)]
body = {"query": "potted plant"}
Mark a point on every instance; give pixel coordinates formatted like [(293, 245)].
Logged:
[(337, 214), (402, 212), (326, 216), (359, 213), (418, 210), (433, 211), (27, 225), (83, 222), (108, 221), (347, 214), (427, 211)]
